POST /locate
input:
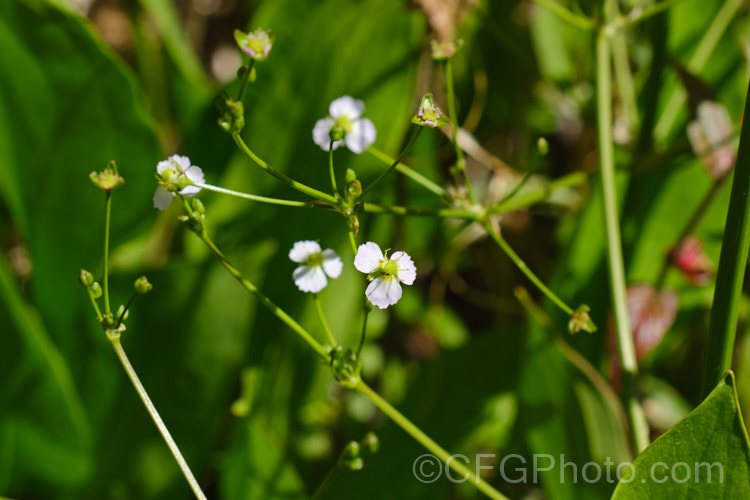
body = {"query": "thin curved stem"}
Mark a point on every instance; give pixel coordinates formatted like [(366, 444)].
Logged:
[(567, 15), (524, 268), (275, 310), (303, 188), (245, 79), (353, 241), (105, 279), (444, 213), (262, 199), (626, 350), (323, 320), (408, 172), (331, 170), (363, 334), (426, 441), (460, 171), (396, 162), (157, 419)]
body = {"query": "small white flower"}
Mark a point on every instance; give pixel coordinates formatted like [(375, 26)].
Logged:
[(316, 265), (345, 112), (176, 175), (385, 273)]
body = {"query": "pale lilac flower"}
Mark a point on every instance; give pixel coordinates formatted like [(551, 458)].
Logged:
[(317, 266), (345, 112), (385, 273), (176, 175)]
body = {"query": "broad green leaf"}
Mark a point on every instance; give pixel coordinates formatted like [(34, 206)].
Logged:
[(706, 455)]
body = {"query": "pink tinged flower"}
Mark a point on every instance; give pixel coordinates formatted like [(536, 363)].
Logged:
[(386, 274), (317, 266), (710, 135), (346, 113), (176, 176), (428, 114), (256, 44), (690, 258)]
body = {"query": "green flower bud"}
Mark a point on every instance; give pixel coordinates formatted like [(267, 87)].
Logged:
[(580, 320), (122, 313), (108, 179), (370, 443), (353, 190), (336, 133), (429, 115), (256, 44), (542, 146), (85, 278), (351, 175), (96, 290), (344, 366), (142, 286), (445, 50)]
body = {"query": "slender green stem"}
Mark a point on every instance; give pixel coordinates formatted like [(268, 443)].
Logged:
[(460, 170), (323, 321), (518, 202), (623, 75), (705, 47), (157, 419), (732, 263), (445, 213), (524, 268), (95, 304), (518, 186), (408, 171), (105, 279), (364, 333), (628, 362), (417, 131), (567, 15), (423, 439), (275, 310), (353, 241), (262, 199), (303, 188), (245, 79), (331, 170)]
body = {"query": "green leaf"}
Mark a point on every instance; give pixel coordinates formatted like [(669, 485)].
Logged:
[(712, 439)]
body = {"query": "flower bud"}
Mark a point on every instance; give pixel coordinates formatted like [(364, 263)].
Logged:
[(353, 190), (351, 175), (445, 50), (542, 146), (429, 115), (580, 320), (108, 179), (336, 133), (96, 290), (122, 314), (344, 366), (142, 286), (370, 443), (85, 278), (256, 44), (690, 258)]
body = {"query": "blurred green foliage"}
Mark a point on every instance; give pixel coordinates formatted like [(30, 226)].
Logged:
[(253, 411)]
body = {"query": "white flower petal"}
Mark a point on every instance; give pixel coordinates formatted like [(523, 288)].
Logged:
[(368, 257), (384, 292), (182, 161), (321, 132), (195, 174), (407, 271), (162, 198), (301, 250), (332, 264), (361, 136), (346, 106), (310, 279)]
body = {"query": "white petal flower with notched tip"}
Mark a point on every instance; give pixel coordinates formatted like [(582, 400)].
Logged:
[(317, 266), (345, 112), (176, 175), (385, 273)]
